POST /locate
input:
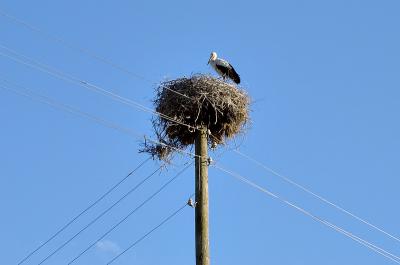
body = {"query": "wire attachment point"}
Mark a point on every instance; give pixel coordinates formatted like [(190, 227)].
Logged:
[(191, 203)]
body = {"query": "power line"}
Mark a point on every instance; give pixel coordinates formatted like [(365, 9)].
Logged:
[(100, 215), (361, 241), (66, 77), (83, 211), (58, 105), (130, 213), (268, 169), (89, 53), (149, 232), (69, 78), (85, 51), (71, 46), (68, 109)]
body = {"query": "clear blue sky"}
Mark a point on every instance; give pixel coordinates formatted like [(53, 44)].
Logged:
[(325, 78)]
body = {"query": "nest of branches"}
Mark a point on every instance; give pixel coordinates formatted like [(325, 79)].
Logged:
[(184, 104)]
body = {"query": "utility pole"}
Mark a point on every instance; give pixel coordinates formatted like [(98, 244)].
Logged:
[(201, 204)]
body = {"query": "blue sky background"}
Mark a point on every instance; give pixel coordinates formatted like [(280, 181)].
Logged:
[(325, 78)]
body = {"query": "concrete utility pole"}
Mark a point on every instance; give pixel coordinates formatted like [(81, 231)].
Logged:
[(201, 209)]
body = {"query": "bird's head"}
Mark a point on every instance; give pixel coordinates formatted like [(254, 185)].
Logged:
[(213, 57)]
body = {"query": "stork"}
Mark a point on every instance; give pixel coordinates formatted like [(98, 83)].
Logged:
[(223, 68)]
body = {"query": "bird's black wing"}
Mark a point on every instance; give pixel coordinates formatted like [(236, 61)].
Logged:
[(223, 69), (233, 75), (229, 72)]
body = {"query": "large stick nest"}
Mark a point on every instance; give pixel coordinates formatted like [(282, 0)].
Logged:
[(195, 101)]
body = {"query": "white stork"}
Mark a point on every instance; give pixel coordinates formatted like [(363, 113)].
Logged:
[(223, 68)]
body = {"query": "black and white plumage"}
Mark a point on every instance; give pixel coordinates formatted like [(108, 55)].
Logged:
[(223, 68)]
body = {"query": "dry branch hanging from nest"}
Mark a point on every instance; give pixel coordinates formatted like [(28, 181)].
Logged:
[(197, 100)]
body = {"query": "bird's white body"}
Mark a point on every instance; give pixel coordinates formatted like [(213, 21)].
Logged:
[(223, 68), (221, 62)]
